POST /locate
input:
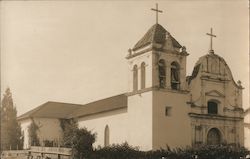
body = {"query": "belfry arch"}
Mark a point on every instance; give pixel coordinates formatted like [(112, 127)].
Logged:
[(162, 73), (175, 75)]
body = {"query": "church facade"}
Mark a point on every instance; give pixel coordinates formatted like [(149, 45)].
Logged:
[(163, 106)]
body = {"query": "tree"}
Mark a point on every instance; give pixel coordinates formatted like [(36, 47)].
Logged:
[(11, 136), (79, 139), (69, 126), (82, 142)]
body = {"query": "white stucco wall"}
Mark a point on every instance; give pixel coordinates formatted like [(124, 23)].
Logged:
[(247, 137), (49, 129), (140, 120), (116, 121), (173, 130), (138, 60), (132, 125)]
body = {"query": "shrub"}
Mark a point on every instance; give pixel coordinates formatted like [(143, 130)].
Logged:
[(79, 139), (82, 141), (125, 151)]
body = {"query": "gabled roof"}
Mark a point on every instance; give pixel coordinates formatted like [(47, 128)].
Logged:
[(51, 110), (156, 34), (104, 105), (67, 110)]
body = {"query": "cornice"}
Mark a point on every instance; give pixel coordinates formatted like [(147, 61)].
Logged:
[(215, 117)]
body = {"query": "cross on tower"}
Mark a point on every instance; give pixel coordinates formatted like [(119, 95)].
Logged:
[(211, 40), (157, 11)]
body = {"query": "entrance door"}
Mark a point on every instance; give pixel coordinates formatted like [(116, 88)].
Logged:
[(213, 137)]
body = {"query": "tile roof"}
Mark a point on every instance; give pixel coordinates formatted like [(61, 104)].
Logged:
[(104, 105), (51, 110), (155, 34), (68, 110)]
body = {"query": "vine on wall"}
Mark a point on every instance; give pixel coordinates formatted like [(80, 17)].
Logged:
[(33, 137)]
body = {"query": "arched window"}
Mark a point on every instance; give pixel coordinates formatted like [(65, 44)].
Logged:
[(212, 107), (135, 78), (213, 137), (143, 76), (162, 73), (175, 75), (106, 136)]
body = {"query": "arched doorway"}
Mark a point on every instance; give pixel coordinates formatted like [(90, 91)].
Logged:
[(214, 136)]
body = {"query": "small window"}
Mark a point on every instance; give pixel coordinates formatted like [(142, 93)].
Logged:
[(168, 111), (212, 107)]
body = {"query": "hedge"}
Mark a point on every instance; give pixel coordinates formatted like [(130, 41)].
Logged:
[(125, 151)]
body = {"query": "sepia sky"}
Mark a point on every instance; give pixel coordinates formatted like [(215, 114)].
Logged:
[(74, 51)]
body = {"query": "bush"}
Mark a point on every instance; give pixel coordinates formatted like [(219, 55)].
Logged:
[(125, 151), (82, 141), (79, 139)]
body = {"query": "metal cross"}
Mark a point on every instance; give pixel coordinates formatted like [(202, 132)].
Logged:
[(211, 39), (157, 11)]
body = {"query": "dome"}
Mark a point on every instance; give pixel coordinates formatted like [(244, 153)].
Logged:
[(212, 66)]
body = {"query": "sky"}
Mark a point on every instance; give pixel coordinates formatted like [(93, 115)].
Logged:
[(74, 51)]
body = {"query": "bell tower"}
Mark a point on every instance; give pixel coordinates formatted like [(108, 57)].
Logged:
[(157, 86), (157, 61)]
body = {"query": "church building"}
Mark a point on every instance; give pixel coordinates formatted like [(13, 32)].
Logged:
[(163, 106)]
